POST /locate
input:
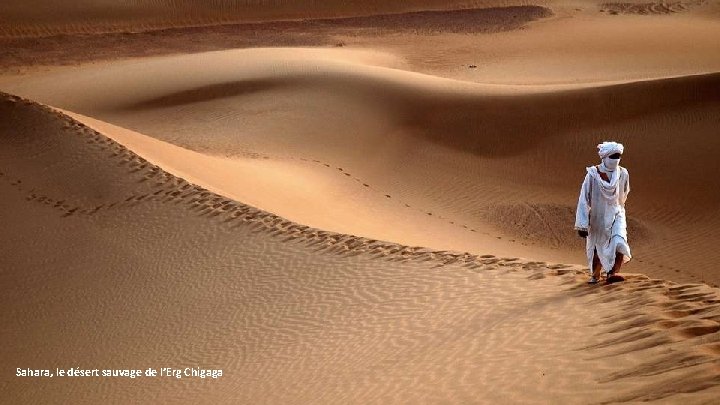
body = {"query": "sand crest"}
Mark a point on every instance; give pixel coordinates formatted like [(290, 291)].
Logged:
[(290, 131)]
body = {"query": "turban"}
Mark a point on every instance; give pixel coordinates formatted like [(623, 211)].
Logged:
[(608, 148)]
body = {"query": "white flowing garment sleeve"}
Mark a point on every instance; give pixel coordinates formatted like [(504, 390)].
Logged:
[(626, 190), (582, 215)]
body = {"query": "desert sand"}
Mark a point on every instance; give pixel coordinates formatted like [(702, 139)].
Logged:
[(361, 203)]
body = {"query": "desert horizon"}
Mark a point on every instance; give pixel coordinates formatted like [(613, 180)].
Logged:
[(359, 202)]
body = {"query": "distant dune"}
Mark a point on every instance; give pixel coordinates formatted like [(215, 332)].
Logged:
[(28, 18), (29, 51)]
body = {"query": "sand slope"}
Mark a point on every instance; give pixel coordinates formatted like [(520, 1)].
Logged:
[(502, 43), (30, 52), (451, 165), (139, 268), (37, 18)]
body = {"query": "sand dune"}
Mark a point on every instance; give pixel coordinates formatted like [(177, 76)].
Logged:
[(30, 52), (21, 18), (372, 145), (651, 7), (506, 43), (572, 47), (292, 313), (372, 204)]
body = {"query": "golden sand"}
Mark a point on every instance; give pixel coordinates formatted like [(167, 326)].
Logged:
[(386, 221)]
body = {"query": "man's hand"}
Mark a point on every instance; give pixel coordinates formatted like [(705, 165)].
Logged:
[(583, 234)]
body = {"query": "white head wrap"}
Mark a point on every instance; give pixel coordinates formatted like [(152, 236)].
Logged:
[(608, 148)]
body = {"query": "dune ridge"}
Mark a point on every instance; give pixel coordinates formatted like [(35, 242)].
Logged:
[(19, 19), (26, 51), (490, 321), (172, 189), (320, 113)]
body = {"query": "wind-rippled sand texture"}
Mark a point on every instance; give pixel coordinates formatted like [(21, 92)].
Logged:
[(19, 18), (52, 49), (115, 263)]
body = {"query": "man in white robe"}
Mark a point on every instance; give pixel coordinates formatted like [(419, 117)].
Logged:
[(600, 215)]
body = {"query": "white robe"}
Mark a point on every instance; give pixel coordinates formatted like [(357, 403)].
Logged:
[(601, 212)]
